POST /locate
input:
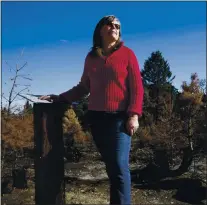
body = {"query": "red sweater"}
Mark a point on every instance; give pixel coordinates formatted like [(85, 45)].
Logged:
[(114, 83)]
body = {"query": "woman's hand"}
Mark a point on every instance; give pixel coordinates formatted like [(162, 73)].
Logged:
[(132, 124), (50, 98)]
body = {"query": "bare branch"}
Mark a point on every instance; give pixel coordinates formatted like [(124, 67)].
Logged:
[(27, 78), (11, 68), (22, 85), (4, 98), (22, 66), (16, 108), (17, 94), (21, 90), (22, 75), (22, 52), (16, 99), (11, 91), (14, 84), (26, 98)]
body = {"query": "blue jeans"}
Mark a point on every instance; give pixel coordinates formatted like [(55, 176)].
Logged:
[(111, 138)]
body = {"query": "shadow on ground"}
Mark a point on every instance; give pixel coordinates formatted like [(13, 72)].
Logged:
[(188, 190), (89, 182)]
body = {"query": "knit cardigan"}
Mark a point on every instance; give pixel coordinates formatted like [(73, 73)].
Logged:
[(114, 83)]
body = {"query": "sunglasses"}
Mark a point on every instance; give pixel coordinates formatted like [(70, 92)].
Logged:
[(117, 26)]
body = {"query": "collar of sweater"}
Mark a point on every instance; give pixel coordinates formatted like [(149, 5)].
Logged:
[(114, 49)]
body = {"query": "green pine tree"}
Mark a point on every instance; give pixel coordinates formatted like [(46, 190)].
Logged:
[(157, 79), (157, 70)]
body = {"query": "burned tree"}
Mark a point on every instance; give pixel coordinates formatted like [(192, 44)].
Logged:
[(16, 89)]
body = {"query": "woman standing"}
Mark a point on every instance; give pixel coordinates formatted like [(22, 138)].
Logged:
[(112, 77)]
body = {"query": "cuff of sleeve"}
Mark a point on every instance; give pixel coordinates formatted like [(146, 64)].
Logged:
[(131, 113), (63, 99)]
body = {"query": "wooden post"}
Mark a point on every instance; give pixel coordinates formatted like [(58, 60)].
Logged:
[(49, 153)]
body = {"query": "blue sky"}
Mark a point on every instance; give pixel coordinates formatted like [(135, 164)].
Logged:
[(56, 37)]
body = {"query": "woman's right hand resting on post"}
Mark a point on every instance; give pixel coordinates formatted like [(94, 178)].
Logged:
[(50, 98)]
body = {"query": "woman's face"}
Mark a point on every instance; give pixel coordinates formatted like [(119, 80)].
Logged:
[(110, 31)]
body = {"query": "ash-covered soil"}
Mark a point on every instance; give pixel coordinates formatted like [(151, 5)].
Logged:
[(87, 183)]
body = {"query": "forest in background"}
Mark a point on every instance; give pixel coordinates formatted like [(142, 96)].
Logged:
[(172, 129)]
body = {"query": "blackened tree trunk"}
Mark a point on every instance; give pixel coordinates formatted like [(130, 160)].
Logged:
[(49, 153)]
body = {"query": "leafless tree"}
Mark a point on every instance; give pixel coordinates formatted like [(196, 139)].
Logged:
[(17, 89)]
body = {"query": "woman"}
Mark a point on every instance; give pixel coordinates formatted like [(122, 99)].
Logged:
[(112, 77)]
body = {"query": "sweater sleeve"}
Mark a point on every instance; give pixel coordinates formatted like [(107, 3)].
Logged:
[(81, 89), (135, 86)]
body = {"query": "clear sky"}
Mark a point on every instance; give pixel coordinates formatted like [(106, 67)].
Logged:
[(56, 37)]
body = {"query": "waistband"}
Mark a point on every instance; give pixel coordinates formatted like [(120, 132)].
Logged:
[(107, 113)]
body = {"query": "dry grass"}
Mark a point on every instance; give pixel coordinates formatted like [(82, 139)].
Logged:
[(17, 132)]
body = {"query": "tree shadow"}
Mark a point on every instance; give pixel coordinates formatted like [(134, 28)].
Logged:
[(89, 182), (188, 190), (149, 174), (155, 178), (5, 188)]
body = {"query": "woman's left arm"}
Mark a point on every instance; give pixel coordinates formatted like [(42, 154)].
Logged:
[(135, 86), (136, 94)]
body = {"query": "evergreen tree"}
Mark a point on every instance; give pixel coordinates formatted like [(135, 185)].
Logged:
[(157, 79), (157, 70)]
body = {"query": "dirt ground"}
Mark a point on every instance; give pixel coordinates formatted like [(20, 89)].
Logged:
[(87, 183)]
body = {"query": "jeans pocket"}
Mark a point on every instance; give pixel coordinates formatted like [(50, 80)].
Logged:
[(121, 125)]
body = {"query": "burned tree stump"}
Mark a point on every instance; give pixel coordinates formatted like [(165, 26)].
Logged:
[(49, 153), (19, 178)]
